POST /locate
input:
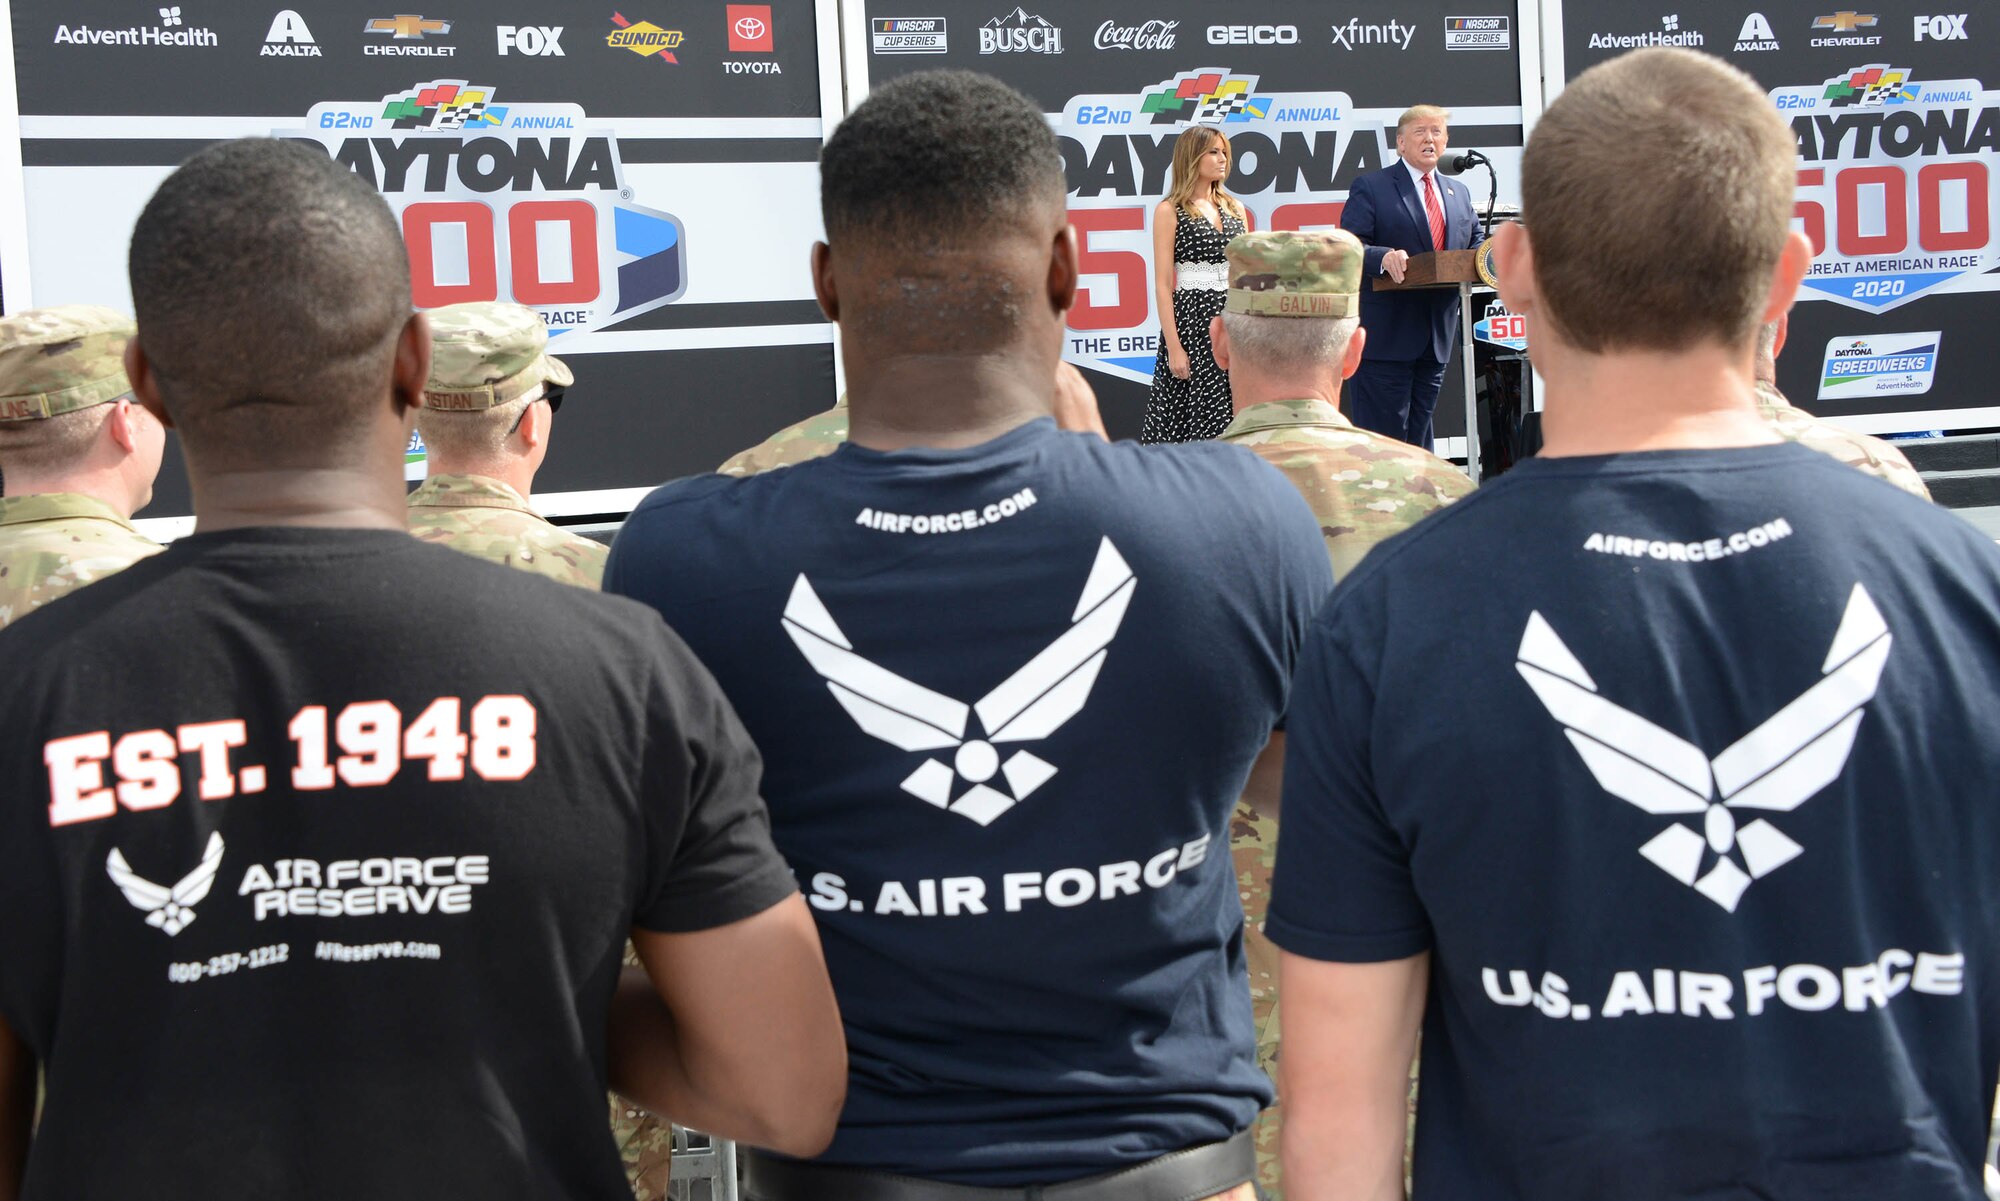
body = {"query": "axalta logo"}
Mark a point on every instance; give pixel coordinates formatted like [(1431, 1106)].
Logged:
[(908, 35), (1895, 182), (644, 39), (535, 41), (1884, 365), (172, 30), (519, 202), (1357, 33), (1669, 33), (1478, 33), (408, 36), (1774, 769), (1148, 35), (1950, 28), (289, 38), (1845, 28), (1028, 706), (1020, 32), (1756, 35)]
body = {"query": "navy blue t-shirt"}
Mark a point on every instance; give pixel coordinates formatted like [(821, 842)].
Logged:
[(1006, 698), (1682, 767)]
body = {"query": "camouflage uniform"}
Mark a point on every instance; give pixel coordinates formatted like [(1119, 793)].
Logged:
[(819, 434), (55, 361), (1859, 451), (1362, 486), (483, 355)]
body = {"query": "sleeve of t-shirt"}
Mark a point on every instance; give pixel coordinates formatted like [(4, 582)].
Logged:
[(1342, 889), (710, 857), (30, 895)]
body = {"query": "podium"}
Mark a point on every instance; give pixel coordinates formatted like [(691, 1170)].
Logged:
[(1449, 269)]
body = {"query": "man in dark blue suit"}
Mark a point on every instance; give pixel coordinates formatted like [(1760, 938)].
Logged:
[(1407, 208)]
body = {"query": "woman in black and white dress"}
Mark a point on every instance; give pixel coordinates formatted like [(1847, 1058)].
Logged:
[(1190, 399)]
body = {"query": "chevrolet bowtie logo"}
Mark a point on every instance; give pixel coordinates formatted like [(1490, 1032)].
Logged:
[(1845, 22), (406, 27)]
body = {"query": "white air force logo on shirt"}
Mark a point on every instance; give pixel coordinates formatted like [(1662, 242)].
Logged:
[(1774, 768), (1029, 705), (167, 909)]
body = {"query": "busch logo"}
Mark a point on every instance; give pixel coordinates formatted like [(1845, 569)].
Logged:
[(1019, 32), (508, 202)]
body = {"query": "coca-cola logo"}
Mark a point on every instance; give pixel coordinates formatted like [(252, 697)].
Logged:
[(1153, 35)]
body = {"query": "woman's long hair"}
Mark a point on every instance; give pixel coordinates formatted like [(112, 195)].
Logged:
[(1194, 142)]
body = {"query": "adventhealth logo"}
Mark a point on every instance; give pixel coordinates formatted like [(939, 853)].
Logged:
[(171, 31), (1028, 706), (1774, 768)]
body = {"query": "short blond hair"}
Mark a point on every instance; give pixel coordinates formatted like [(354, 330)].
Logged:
[(473, 435), (51, 445), (1657, 191), (1421, 112)]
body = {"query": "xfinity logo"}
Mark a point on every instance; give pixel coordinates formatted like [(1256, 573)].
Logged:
[(1942, 29), (1355, 33), (1774, 768), (1755, 35), (537, 41), (1028, 706), (1253, 35), (168, 909)]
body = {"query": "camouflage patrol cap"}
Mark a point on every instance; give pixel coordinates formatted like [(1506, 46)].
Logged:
[(486, 353), (1285, 274), (58, 360)]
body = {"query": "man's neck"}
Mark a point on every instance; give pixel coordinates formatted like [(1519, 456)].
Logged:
[(106, 487), (1699, 398), (944, 402), (1247, 388), (313, 498), (516, 474)]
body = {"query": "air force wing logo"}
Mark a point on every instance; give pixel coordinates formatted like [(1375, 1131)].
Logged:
[(168, 909), (1029, 705), (1774, 768)]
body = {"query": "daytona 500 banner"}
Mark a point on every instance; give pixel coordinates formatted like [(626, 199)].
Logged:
[(1308, 96), (1897, 122), (642, 174)]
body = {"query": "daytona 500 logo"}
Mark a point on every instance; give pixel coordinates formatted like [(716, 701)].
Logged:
[(1895, 182), (507, 202)]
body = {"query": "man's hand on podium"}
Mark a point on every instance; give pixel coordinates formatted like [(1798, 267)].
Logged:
[(1394, 263)]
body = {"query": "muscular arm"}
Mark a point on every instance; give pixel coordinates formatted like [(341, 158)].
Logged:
[(736, 1032), (1163, 273), (17, 1110), (1350, 1032)]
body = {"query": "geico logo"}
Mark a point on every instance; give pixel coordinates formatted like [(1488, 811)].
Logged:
[(1942, 29), (1253, 35), (538, 40), (482, 164)]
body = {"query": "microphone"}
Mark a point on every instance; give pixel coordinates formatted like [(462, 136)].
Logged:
[(1464, 160)]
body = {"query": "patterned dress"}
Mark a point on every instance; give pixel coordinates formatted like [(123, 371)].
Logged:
[(1188, 410)]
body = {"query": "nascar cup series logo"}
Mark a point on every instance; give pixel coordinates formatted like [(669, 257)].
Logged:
[(1896, 185), (508, 201), (1293, 156)]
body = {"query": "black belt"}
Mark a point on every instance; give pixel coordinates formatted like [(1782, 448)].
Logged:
[(1188, 1175)]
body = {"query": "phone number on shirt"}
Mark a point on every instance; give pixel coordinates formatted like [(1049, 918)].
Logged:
[(223, 965)]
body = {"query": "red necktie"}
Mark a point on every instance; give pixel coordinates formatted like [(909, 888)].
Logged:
[(1436, 211)]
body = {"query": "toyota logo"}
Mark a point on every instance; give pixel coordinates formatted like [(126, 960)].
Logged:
[(750, 29)]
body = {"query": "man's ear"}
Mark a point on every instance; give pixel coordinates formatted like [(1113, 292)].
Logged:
[(1514, 264), (1064, 269), (823, 285), (1793, 261), (1350, 362), (145, 386), (412, 366), (1218, 341), (535, 425), (122, 425)]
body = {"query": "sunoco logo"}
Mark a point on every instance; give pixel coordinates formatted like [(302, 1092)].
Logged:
[(517, 202)]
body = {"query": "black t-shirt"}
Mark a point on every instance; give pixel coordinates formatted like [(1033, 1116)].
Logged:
[(1682, 767), (317, 853), (1007, 696)]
